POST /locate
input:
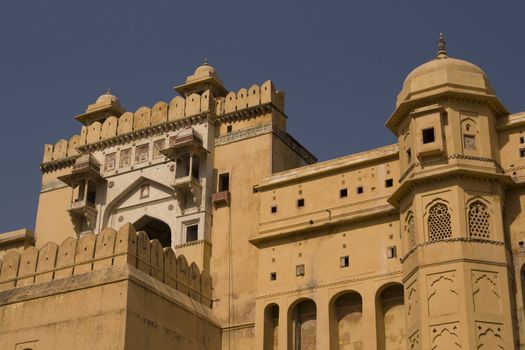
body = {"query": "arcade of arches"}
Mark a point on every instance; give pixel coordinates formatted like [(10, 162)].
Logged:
[(346, 320)]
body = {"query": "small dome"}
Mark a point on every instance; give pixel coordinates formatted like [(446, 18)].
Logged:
[(204, 70), (446, 64), (108, 97), (444, 72)]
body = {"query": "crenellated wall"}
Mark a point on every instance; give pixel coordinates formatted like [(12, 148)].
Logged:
[(179, 108), (95, 252)]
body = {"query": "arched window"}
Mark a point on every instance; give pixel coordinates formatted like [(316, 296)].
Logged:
[(411, 230), (439, 226), (155, 229), (478, 220)]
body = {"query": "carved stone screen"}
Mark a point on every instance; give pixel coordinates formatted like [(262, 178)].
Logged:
[(439, 222), (478, 220)]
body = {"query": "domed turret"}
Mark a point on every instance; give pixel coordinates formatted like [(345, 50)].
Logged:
[(106, 105), (203, 71), (204, 78), (442, 74), (107, 98)]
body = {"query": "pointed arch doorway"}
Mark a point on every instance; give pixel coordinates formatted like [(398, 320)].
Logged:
[(155, 228)]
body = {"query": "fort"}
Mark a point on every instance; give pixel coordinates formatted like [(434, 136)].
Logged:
[(203, 224)]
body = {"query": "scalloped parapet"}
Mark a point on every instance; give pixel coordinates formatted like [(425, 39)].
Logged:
[(95, 252), (178, 109)]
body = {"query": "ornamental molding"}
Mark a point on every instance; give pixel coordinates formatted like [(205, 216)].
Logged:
[(192, 243), (52, 185), (450, 240), (247, 113), (405, 189), (58, 164), (262, 129), (330, 285), (243, 134), (453, 156), (408, 106), (150, 131), (344, 206)]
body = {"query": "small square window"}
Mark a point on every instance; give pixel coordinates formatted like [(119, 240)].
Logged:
[(273, 276), (343, 193), (389, 182), (409, 155), (274, 209), (428, 135), (522, 152), (229, 128), (344, 261), (300, 202), (522, 139), (360, 190), (299, 270), (192, 233), (391, 252)]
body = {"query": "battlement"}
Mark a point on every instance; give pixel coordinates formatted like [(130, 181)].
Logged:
[(96, 252), (180, 111)]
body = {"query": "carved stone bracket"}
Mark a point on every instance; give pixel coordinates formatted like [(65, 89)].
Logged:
[(187, 186)]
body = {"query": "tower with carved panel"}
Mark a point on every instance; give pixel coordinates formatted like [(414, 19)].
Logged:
[(451, 199)]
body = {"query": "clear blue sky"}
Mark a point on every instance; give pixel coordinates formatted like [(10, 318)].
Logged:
[(341, 64)]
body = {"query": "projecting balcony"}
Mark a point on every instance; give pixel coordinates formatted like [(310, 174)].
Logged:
[(86, 167), (187, 142), (187, 185), (221, 198), (82, 208)]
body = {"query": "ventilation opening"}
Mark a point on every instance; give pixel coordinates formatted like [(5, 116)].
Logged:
[(360, 190), (344, 261), (300, 202), (428, 135), (299, 270), (274, 209), (273, 276), (343, 193), (389, 182), (391, 252)]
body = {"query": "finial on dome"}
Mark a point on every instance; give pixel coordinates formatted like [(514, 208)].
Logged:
[(108, 92), (206, 61), (442, 52)]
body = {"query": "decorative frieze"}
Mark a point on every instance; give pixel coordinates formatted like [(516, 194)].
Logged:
[(52, 185)]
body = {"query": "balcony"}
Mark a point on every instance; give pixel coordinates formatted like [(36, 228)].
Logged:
[(187, 142), (221, 198), (83, 214), (187, 185)]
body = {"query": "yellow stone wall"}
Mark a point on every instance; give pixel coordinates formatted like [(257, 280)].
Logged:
[(415, 245)]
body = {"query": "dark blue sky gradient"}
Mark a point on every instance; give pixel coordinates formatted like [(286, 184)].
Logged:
[(341, 64)]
